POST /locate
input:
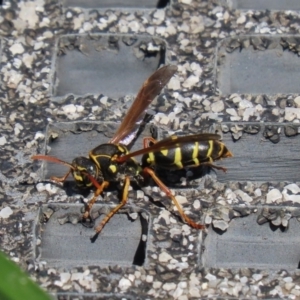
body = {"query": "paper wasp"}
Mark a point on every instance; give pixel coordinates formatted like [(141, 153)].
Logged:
[(112, 162)]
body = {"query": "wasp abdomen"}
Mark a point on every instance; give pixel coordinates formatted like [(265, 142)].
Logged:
[(187, 155)]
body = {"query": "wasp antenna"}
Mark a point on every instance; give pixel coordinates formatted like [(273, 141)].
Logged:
[(51, 159)]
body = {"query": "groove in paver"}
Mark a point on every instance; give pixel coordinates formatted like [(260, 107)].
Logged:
[(258, 65), (111, 65), (257, 158), (247, 244), (116, 3), (265, 4)]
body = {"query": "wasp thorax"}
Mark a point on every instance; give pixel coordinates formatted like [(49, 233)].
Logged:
[(82, 167)]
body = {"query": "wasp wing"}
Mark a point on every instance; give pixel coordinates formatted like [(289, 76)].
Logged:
[(171, 142), (150, 89)]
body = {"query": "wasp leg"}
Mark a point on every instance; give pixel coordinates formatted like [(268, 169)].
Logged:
[(117, 208), (61, 179), (89, 206), (214, 166), (166, 190), (147, 141)]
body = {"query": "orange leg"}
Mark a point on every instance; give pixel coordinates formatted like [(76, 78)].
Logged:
[(99, 190), (166, 190), (148, 140), (117, 208), (61, 179), (214, 166)]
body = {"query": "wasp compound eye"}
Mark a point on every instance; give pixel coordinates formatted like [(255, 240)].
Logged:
[(82, 166)]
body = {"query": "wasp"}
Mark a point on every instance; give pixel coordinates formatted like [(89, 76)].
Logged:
[(112, 162)]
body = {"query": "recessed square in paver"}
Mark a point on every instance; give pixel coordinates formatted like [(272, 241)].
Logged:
[(121, 241), (257, 158), (111, 65), (68, 140), (265, 4), (138, 4), (258, 65), (246, 244)]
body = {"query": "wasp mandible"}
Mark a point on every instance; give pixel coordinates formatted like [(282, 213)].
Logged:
[(112, 162)]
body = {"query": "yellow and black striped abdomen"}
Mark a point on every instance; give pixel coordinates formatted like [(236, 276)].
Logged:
[(187, 155)]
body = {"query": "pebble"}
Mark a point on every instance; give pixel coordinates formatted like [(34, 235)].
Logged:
[(149, 278), (65, 277), (16, 48), (174, 83), (5, 212), (197, 204), (217, 106), (181, 199), (294, 188), (221, 224), (210, 277), (190, 81), (3, 140), (274, 196), (28, 13), (164, 257), (297, 101), (291, 113), (241, 20), (244, 196), (124, 284), (169, 286), (257, 277)]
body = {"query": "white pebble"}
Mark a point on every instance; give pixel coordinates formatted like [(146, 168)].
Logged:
[(124, 284), (197, 204), (3, 140), (190, 81), (16, 48), (169, 286), (257, 277), (5, 212), (164, 257), (217, 106), (274, 196), (65, 277), (294, 188)]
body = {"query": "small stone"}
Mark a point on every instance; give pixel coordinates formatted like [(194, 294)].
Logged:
[(181, 199), (244, 196), (190, 81), (290, 130), (220, 224), (217, 106), (277, 221), (149, 278), (197, 204), (210, 277), (169, 286), (294, 188), (28, 13), (174, 83), (231, 111), (297, 101), (241, 20), (65, 277), (124, 284), (164, 257), (3, 140), (274, 196), (291, 113), (257, 277), (5, 212), (16, 49)]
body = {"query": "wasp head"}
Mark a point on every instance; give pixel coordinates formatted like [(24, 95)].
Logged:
[(85, 171)]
